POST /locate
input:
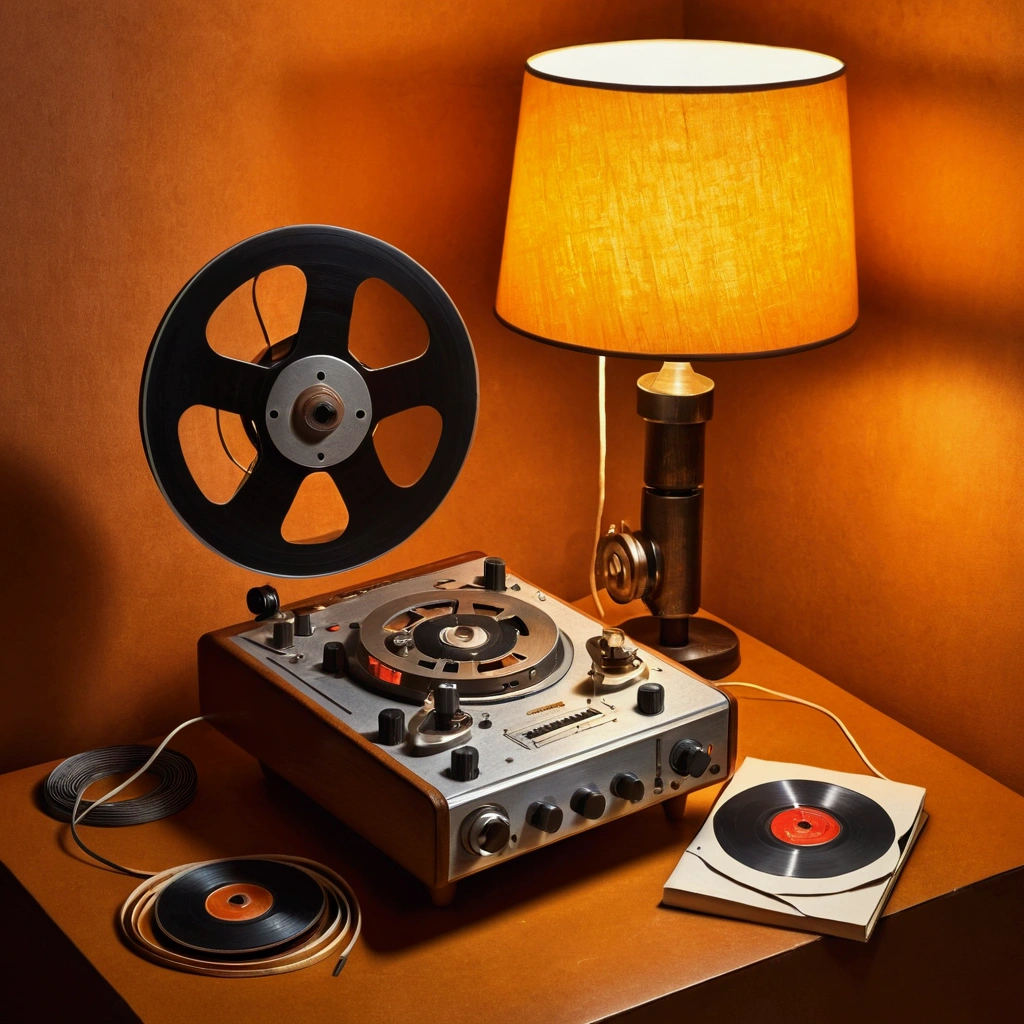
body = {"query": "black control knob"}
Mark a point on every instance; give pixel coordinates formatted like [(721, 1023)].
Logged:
[(650, 698), (588, 801), (629, 787), (487, 830), (465, 764), (284, 633), (446, 704), (303, 622), (390, 727), (334, 657), (494, 574), (263, 602), (688, 757), (545, 815)]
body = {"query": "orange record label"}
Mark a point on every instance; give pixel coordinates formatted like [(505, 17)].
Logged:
[(241, 901), (805, 826)]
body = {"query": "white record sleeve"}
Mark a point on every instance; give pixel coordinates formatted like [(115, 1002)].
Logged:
[(901, 802), (709, 879)]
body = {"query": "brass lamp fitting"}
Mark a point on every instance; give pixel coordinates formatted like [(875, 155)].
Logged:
[(660, 563)]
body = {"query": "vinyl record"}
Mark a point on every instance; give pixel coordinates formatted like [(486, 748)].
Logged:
[(334, 934), (798, 828), (239, 907)]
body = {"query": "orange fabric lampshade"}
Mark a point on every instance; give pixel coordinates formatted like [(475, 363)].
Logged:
[(681, 199)]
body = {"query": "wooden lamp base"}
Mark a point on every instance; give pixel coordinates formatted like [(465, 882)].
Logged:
[(701, 645)]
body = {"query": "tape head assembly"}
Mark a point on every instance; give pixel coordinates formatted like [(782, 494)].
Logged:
[(314, 408)]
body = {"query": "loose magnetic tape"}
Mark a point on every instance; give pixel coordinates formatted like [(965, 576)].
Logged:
[(461, 717)]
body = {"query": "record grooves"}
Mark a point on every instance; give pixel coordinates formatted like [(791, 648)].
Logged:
[(239, 906), (799, 828), (243, 917)]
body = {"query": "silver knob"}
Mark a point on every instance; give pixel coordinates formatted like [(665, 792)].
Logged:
[(625, 566), (487, 830)]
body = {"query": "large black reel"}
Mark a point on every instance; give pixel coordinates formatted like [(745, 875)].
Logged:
[(182, 371)]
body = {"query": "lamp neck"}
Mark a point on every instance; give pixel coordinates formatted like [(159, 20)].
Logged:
[(675, 394), (679, 379)]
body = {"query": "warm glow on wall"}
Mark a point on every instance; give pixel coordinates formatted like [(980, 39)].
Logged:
[(680, 198)]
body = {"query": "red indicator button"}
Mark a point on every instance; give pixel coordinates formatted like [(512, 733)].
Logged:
[(385, 673), (333, 627)]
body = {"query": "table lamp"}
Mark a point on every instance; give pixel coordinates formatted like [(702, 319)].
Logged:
[(680, 200)]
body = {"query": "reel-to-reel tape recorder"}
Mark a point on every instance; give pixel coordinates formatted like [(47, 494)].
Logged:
[(454, 715)]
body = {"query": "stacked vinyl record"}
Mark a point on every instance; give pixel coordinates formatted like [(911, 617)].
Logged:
[(801, 847), (243, 917), (803, 828)]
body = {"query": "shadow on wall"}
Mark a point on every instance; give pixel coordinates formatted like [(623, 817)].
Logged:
[(54, 569), (425, 163)]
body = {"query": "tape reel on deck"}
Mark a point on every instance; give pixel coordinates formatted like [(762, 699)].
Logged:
[(315, 409)]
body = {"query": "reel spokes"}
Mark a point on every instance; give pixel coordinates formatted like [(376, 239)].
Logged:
[(314, 408)]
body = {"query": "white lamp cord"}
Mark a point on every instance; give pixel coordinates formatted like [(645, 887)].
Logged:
[(602, 427)]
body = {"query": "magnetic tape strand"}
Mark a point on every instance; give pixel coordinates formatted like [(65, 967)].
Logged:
[(146, 809), (247, 470), (67, 782), (63, 793)]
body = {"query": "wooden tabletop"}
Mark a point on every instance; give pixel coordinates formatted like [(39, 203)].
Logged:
[(572, 933)]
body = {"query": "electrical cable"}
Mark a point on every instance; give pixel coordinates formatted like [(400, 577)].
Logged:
[(817, 707), (602, 426)]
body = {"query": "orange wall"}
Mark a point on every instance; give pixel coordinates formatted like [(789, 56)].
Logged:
[(864, 509), (865, 501), (141, 138)]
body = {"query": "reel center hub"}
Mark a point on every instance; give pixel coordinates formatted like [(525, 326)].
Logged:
[(318, 411), (464, 637)]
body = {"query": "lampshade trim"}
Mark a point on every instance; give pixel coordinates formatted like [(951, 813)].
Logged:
[(583, 83), (713, 357)]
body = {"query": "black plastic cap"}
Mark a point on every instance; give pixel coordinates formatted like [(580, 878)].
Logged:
[(494, 574), (699, 764), (545, 816), (465, 764), (650, 698), (391, 727), (589, 802), (334, 657), (263, 602), (628, 787), (688, 757), (445, 699), (284, 633), (303, 623)]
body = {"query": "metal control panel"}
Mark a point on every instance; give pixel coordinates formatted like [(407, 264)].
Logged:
[(510, 764)]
